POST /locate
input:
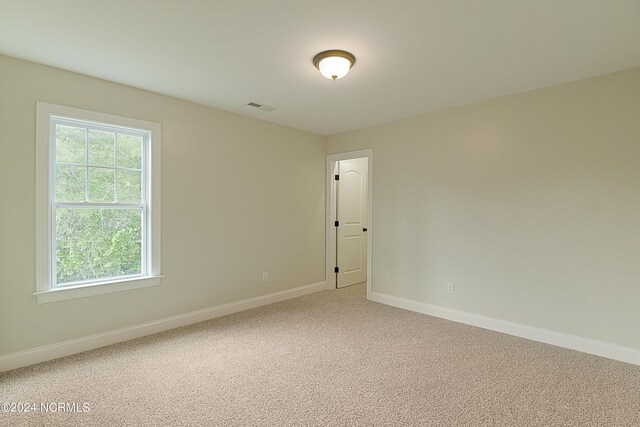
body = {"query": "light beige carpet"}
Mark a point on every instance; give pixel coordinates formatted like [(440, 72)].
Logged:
[(330, 358)]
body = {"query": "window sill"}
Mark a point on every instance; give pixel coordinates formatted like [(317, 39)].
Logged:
[(81, 291)]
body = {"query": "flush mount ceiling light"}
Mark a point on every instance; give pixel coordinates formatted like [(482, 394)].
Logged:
[(334, 64)]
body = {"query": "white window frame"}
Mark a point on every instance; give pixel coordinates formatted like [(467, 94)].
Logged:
[(46, 291)]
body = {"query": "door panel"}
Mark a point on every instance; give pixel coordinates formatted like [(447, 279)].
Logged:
[(352, 215), (352, 261)]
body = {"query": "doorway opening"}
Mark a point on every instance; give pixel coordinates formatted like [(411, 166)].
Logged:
[(349, 219)]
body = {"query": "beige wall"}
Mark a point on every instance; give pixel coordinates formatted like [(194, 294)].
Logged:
[(529, 203), (229, 208)]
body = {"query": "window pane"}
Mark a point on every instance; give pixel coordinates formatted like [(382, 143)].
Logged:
[(101, 185), (129, 186), (97, 243), (101, 148), (71, 183), (70, 144), (129, 151)]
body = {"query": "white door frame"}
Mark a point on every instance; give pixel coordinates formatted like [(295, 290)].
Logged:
[(332, 159)]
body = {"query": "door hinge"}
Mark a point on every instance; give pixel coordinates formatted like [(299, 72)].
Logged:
[(337, 177), (337, 223), (336, 270)]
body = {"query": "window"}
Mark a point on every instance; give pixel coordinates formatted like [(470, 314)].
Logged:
[(97, 203)]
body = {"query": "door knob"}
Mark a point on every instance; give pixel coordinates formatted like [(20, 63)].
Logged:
[(364, 229)]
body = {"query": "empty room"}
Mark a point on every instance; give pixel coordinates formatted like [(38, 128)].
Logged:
[(290, 213)]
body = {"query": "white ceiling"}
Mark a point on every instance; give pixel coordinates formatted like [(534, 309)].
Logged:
[(413, 56)]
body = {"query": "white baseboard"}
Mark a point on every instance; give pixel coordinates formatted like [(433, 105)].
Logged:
[(573, 342), (78, 345)]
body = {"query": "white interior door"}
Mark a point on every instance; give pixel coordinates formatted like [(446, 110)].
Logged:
[(351, 214)]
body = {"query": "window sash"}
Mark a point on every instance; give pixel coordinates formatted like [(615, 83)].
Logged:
[(144, 264), (143, 205), (104, 127)]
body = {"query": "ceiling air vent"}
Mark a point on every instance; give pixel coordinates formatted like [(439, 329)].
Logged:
[(260, 106)]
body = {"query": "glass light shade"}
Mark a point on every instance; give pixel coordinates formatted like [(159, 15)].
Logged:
[(334, 67)]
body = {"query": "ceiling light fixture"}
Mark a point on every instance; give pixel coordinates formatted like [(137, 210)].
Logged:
[(334, 64)]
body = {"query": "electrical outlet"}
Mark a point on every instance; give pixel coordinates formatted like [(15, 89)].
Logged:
[(451, 288), (265, 276)]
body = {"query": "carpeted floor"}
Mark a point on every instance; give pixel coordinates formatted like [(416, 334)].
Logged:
[(331, 358)]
